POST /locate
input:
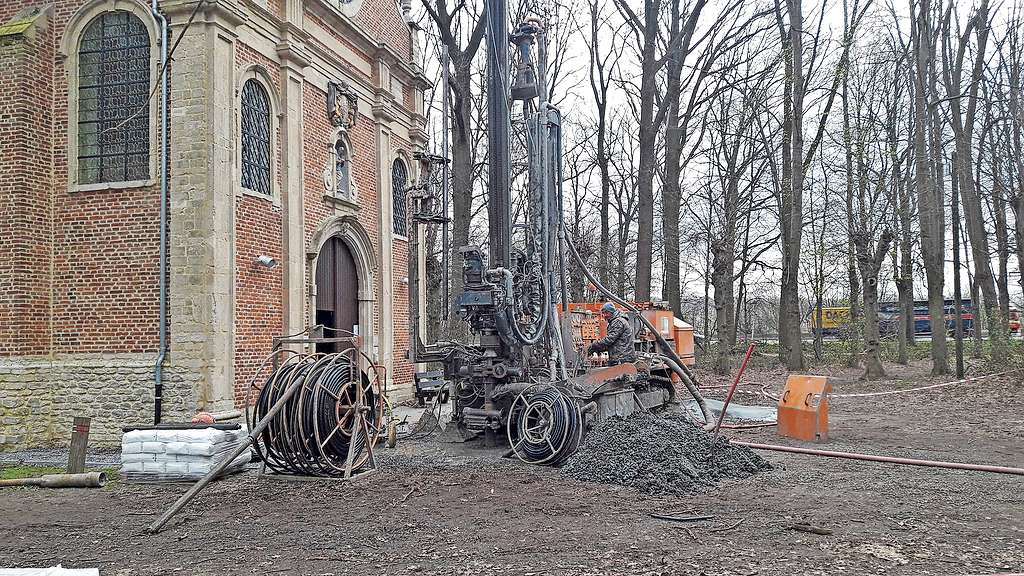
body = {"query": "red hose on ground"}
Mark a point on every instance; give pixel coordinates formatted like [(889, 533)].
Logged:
[(887, 459)]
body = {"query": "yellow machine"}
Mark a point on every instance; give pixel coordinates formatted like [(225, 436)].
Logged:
[(833, 319)]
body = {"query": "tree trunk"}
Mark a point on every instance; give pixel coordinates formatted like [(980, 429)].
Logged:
[(599, 83), (671, 197), (905, 284), (962, 123), (722, 278), (792, 198), (462, 179), (870, 263), (648, 152), (853, 329), (930, 211)]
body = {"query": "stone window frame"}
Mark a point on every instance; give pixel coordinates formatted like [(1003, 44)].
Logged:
[(68, 52), (402, 157), (260, 74)]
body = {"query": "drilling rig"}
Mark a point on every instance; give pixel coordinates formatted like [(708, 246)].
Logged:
[(520, 374)]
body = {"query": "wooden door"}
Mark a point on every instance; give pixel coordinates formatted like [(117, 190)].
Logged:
[(337, 291)]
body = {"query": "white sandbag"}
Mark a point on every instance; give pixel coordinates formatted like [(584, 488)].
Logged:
[(138, 457), (153, 447), (131, 467), (131, 447), (139, 436), (154, 467), (176, 447), (176, 468)]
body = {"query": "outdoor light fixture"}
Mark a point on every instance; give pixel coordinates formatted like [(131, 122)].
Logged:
[(266, 261)]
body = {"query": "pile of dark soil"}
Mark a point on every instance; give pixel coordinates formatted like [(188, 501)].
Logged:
[(659, 455)]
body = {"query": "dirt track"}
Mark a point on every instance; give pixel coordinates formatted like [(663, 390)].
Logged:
[(459, 510)]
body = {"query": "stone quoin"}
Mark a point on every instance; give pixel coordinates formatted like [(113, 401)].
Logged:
[(287, 121)]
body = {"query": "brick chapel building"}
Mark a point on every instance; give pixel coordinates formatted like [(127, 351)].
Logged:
[(292, 130)]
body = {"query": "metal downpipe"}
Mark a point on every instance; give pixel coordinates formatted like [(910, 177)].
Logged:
[(158, 369)]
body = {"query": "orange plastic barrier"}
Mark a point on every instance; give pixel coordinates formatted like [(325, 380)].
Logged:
[(803, 408)]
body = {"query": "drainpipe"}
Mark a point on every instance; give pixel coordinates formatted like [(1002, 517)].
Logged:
[(158, 369)]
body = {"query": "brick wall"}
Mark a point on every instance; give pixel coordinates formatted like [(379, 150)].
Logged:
[(318, 132), (344, 40), (258, 232), (106, 247), (383, 20), (25, 124), (104, 281), (106, 271), (403, 369), (258, 290), (276, 7)]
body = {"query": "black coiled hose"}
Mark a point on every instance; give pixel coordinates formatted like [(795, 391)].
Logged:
[(313, 432), (544, 426)]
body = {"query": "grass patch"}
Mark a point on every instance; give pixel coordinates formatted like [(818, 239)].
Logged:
[(10, 472), (27, 471)]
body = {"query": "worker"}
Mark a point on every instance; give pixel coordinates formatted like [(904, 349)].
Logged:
[(619, 341)]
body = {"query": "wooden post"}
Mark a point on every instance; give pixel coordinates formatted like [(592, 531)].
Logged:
[(79, 443)]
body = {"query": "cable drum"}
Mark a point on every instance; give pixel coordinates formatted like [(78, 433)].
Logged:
[(544, 426), (336, 410)]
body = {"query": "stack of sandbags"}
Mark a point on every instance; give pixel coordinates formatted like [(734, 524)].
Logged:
[(168, 455)]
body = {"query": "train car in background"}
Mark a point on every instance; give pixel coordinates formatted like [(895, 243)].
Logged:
[(923, 322), (834, 320)]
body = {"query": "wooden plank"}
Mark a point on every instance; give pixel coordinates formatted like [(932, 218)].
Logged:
[(79, 444)]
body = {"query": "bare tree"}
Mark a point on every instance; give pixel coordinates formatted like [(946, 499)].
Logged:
[(962, 123), (929, 192), (603, 55), (461, 32), (648, 34)]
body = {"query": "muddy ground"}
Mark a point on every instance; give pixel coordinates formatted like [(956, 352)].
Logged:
[(456, 509)]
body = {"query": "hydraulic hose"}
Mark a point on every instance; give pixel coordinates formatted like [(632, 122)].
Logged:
[(514, 323), (669, 355)]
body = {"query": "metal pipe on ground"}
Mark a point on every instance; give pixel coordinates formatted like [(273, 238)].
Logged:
[(885, 459), (83, 480), (226, 415)]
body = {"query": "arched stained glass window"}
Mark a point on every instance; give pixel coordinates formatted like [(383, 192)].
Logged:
[(342, 169), (255, 137), (399, 182), (113, 99)]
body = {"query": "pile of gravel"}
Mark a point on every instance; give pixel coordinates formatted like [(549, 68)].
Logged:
[(659, 456)]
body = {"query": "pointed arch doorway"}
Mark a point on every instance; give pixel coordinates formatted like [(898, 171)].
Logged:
[(337, 291)]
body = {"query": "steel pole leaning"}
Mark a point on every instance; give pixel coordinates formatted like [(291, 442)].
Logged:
[(732, 390), (885, 459), (216, 471)]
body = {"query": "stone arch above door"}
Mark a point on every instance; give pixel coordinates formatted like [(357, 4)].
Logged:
[(358, 242)]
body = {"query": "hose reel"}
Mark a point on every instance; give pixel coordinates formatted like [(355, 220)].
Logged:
[(328, 426), (544, 426)]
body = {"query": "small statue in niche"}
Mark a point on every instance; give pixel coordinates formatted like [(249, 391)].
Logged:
[(342, 105)]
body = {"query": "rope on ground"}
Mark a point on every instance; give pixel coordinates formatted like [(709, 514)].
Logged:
[(918, 389)]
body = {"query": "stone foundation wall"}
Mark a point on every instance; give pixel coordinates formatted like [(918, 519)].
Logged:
[(39, 397)]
